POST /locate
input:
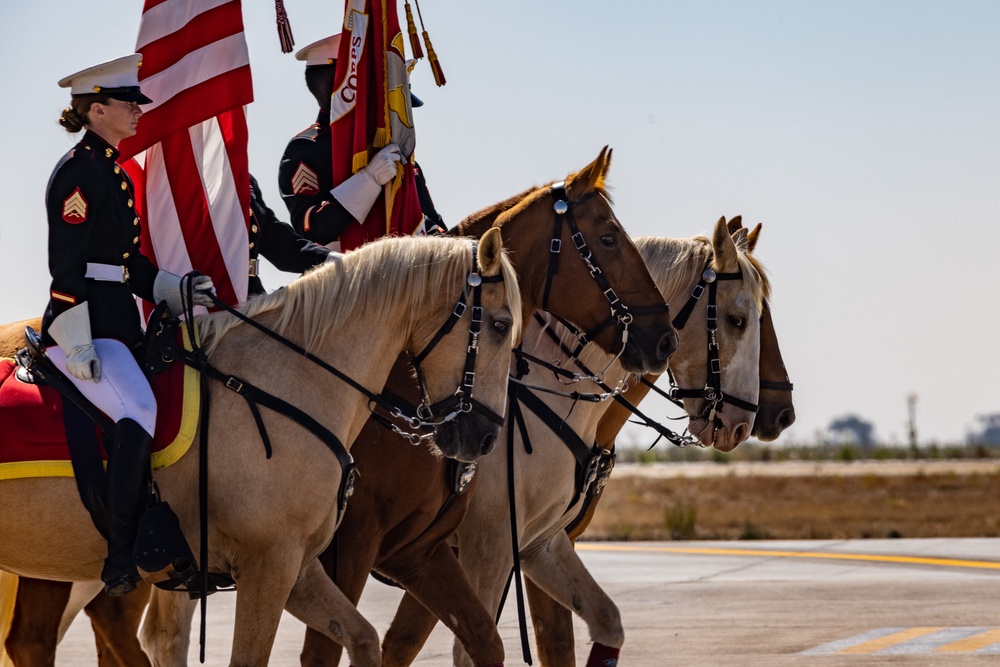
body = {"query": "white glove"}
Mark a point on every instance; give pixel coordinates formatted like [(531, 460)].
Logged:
[(382, 167), (173, 289), (334, 257), (71, 330)]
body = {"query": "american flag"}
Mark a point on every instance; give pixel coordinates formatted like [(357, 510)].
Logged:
[(191, 170)]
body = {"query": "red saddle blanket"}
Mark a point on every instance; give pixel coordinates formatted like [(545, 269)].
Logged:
[(33, 435)]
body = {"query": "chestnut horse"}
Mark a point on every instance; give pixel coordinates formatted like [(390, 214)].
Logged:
[(550, 434), (270, 517)]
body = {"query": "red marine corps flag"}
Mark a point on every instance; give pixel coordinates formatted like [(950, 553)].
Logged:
[(370, 109), (191, 171)]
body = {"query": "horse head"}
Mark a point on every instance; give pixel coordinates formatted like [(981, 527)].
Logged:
[(473, 354), (586, 269), (716, 367), (775, 409)]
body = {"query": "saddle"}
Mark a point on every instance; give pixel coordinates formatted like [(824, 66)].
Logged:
[(161, 552)]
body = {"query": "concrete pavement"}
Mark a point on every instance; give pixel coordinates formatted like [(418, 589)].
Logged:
[(754, 604)]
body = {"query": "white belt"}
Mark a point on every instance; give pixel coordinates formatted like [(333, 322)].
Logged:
[(113, 273)]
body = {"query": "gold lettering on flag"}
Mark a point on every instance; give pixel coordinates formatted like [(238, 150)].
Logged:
[(75, 208), (345, 95), (305, 181)]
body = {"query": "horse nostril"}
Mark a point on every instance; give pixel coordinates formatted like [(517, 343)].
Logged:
[(489, 442), (667, 346), (786, 418)]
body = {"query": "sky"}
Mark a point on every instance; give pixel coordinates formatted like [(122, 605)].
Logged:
[(864, 135)]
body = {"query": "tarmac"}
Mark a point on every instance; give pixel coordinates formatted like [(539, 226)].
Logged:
[(817, 603)]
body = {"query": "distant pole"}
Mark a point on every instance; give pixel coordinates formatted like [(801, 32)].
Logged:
[(911, 404)]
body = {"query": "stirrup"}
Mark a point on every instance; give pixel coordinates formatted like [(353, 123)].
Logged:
[(122, 584)]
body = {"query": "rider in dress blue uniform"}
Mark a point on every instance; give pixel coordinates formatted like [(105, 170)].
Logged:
[(319, 211), (278, 243), (91, 325)]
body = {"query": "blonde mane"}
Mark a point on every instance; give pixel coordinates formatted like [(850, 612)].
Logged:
[(409, 272), (675, 263)]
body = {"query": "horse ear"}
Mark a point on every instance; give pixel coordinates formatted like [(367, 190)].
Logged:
[(724, 247), (752, 238), (490, 252), (735, 223), (592, 176)]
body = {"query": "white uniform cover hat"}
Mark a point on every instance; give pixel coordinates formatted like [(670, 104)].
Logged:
[(118, 78), (323, 52)]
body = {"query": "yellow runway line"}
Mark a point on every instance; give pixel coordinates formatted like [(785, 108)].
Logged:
[(890, 640), (909, 560), (973, 643)]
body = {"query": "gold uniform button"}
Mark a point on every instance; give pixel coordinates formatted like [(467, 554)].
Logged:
[(130, 202), (125, 256), (118, 169), (253, 228), (251, 245), (135, 223), (123, 185), (135, 240), (108, 152)]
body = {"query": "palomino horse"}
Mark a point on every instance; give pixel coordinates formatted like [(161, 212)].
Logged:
[(270, 518), (548, 473), (552, 622), (402, 527)]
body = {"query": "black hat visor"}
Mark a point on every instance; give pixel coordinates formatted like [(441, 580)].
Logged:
[(127, 94)]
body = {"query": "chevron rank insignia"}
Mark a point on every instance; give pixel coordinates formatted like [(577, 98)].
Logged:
[(75, 208), (305, 181)]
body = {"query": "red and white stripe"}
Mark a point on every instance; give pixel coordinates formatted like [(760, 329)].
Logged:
[(193, 179)]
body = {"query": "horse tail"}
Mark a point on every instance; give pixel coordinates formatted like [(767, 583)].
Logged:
[(8, 596)]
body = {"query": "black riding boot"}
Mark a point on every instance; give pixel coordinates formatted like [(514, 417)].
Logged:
[(127, 471)]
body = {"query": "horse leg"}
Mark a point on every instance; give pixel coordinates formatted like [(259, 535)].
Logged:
[(349, 571), (438, 584), (553, 624), (116, 627), (316, 601), (34, 630), (166, 631), (558, 570), (409, 630)]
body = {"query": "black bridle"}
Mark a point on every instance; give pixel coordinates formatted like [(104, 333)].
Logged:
[(712, 392), (432, 414), (621, 316)]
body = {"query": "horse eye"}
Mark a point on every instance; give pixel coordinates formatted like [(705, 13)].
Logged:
[(609, 240), (501, 327), (737, 322)]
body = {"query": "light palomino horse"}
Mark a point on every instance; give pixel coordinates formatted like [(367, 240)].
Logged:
[(552, 622), (269, 518), (547, 480), (404, 506)]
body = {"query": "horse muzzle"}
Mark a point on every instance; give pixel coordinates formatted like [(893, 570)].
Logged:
[(467, 437), (647, 352), (722, 434)]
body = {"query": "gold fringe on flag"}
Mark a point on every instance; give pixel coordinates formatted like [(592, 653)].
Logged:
[(381, 137), (359, 162), (411, 28), (435, 64), (284, 27)]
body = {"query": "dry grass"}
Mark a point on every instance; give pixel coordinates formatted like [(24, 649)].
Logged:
[(799, 507)]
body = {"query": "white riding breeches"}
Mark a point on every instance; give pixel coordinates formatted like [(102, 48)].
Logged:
[(123, 392)]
